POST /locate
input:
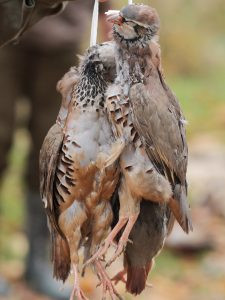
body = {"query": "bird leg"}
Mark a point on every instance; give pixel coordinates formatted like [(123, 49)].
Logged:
[(106, 282), (108, 241), (76, 287), (124, 238), (120, 277)]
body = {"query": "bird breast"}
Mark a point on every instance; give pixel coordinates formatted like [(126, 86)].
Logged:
[(90, 132), (87, 135)]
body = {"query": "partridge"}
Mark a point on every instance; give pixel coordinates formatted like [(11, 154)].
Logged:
[(79, 167), (145, 113), (48, 160), (147, 239)]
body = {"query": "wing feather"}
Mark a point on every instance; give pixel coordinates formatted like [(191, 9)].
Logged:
[(47, 164), (160, 127), (158, 119)]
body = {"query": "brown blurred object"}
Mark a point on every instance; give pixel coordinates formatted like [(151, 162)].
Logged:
[(18, 16)]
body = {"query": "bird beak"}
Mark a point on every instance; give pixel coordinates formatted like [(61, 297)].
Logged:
[(114, 17)]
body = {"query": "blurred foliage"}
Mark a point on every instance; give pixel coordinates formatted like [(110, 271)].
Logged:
[(12, 194)]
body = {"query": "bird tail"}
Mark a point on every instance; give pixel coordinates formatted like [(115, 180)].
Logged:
[(137, 277), (179, 206), (60, 256)]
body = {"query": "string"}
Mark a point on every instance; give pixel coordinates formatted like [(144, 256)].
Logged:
[(94, 24)]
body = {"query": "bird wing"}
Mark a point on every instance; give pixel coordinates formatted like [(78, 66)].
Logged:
[(161, 129), (159, 121), (47, 165), (48, 161), (52, 145)]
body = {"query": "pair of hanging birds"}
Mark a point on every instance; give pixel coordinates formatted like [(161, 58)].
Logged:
[(113, 166)]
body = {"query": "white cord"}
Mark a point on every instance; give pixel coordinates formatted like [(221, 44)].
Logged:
[(94, 24)]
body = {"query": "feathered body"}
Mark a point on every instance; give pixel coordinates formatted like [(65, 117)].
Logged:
[(79, 169), (152, 112), (48, 162), (144, 112), (154, 220)]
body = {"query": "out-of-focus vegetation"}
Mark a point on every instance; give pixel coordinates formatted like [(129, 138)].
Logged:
[(192, 40)]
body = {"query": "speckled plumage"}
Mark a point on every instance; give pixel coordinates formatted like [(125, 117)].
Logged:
[(82, 166)]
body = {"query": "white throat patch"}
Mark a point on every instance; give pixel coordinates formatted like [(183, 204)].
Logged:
[(126, 31)]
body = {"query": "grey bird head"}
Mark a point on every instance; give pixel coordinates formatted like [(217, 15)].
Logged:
[(99, 60), (135, 23), (97, 70)]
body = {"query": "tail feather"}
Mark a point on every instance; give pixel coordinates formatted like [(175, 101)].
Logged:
[(60, 257), (179, 206), (136, 278)]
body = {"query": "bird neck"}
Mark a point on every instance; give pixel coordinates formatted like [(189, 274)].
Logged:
[(130, 66)]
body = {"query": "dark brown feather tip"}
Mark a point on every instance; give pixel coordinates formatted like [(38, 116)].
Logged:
[(136, 278), (60, 257)]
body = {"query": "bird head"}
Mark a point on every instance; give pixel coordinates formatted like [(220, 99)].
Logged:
[(100, 60), (134, 23)]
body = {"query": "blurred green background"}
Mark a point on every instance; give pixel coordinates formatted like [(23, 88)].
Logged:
[(192, 39)]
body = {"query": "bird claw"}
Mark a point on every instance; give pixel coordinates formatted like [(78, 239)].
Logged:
[(77, 291), (110, 239), (100, 254), (106, 283), (119, 251), (83, 270), (79, 294), (119, 277)]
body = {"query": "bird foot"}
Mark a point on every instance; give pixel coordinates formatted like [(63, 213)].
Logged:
[(108, 241), (120, 249), (106, 283), (124, 239), (99, 255), (119, 277), (77, 291)]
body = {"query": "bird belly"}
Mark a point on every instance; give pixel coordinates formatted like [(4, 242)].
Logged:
[(86, 180), (87, 141), (140, 175), (142, 178)]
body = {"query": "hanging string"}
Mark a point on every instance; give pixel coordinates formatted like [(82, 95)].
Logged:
[(94, 24)]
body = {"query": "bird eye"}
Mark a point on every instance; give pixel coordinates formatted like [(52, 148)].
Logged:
[(129, 23), (99, 66)]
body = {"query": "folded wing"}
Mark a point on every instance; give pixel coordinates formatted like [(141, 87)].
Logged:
[(159, 121)]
